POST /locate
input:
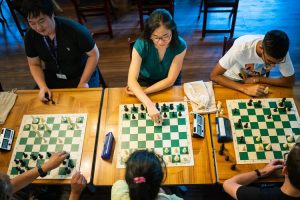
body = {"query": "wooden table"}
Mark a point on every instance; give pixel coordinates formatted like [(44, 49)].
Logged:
[(67, 101), (106, 173), (222, 166)]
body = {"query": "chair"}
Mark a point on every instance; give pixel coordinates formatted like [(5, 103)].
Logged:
[(15, 10), (145, 7), (227, 44), (230, 6), (93, 8), (1, 88)]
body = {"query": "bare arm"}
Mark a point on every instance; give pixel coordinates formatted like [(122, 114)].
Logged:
[(231, 185), (92, 61), (174, 71), (36, 70), (78, 184), (217, 76), (281, 82), (135, 87), (26, 178)]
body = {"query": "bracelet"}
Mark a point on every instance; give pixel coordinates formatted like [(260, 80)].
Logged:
[(258, 173)]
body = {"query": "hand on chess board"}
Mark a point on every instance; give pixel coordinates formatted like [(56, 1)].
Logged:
[(78, 183), (44, 93), (154, 114), (254, 90), (55, 160), (271, 167)]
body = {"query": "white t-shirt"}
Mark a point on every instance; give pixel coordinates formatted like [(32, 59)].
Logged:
[(243, 52)]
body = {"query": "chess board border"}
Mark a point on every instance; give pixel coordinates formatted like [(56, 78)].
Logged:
[(189, 136), (235, 142), (78, 159)]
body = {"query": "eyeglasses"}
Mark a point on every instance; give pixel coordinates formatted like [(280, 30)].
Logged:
[(164, 38)]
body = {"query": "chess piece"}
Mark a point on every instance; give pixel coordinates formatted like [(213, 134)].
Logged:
[(184, 150), (164, 107), (234, 111), (22, 162), (171, 106), (25, 155), (64, 162), (269, 116), (49, 154), (285, 146), (173, 114), (176, 158), (258, 138), (239, 124), (222, 148), (179, 114), (34, 157), (134, 108), (71, 165), (16, 161), (142, 115), (266, 90), (275, 109), (125, 108), (165, 115), (166, 150), (289, 108), (126, 116), (290, 138), (258, 104), (180, 106), (260, 147), (280, 104), (157, 106), (68, 156), (142, 107), (133, 116), (246, 125), (233, 167), (268, 147), (250, 102), (67, 170), (41, 156), (242, 139)]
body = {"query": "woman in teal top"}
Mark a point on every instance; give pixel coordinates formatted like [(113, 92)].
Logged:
[(157, 59)]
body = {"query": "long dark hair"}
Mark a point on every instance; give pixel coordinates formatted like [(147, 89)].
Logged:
[(145, 164), (157, 18)]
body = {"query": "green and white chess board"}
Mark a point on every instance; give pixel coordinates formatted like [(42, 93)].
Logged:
[(40, 135), (171, 139), (270, 132)]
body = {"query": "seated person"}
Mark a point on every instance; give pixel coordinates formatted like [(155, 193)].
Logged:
[(143, 177), (250, 57), (238, 189), (157, 59), (9, 187), (61, 53)]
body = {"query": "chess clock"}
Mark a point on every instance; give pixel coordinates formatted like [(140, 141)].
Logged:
[(198, 130), (223, 129), (6, 138)]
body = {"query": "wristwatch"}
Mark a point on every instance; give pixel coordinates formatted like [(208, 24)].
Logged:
[(258, 173), (41, 172)]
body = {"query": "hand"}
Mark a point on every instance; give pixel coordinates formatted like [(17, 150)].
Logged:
[(154, 113), (83, 85), (252, 80), (55, 160), (271, 167), (78, 183), (43, 92), (128, 91), (254, 90)]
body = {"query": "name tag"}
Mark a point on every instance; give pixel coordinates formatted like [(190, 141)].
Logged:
[(61, 76)]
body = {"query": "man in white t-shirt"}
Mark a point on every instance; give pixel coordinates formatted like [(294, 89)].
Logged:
[(250, 58)]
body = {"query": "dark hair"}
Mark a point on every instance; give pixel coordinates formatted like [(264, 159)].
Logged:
[(5, 186), (276, 44), (157, 18), (33, 8), (293, 166), (143, 163)]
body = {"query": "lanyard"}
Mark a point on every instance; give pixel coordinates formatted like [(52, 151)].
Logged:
[(52, 47)]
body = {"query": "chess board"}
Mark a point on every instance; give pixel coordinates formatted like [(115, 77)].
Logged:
[(269, 124), (40, 135), (171, 140)]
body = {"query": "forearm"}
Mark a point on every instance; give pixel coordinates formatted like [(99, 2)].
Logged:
[(224, 81), (89, 69), (24, 179), (74, 196), (282, 82), (38, 75), (139, 92), (161, 85)]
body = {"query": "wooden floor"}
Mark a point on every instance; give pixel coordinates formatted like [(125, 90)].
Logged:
[(254, 17)]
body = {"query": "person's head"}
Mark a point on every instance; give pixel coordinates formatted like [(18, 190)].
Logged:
[(160, 28), (275, 46), (144, 174), (5, 187), (293, 166), (40, 15)]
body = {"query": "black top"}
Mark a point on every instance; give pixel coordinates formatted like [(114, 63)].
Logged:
[(255, 193), (73, 41)]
